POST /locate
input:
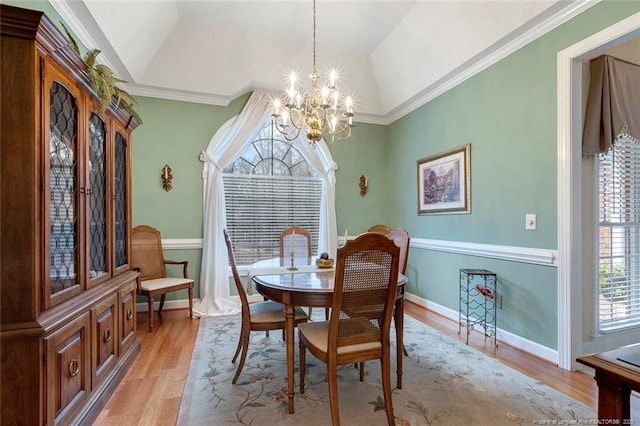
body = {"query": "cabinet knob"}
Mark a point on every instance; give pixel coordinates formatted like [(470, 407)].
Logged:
[(129, 314), (73, 368), (106, 336)]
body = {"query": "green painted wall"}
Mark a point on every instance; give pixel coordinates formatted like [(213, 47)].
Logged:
[(508, 115), (364, 154), (175, 133)]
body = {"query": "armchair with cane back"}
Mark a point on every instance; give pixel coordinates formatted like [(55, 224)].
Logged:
[(380, 229), (147, 256)]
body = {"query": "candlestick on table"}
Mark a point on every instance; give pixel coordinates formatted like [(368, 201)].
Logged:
[(293, 251), (293, 242)]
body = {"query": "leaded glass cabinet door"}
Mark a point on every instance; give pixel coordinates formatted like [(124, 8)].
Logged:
[(121, 201), (62, 275), (97, 208)]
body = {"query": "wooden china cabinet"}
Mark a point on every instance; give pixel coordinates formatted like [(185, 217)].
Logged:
[(67, 288)]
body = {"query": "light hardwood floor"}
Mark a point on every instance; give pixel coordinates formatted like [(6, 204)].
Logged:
[(151, 391)]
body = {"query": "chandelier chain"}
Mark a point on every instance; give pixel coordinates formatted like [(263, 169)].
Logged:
[(314, 36), (321, 111)]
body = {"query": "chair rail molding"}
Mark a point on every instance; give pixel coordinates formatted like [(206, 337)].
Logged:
[(536, 256), (181, 243)]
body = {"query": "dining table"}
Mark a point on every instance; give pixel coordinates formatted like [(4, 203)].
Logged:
[(310, 286)]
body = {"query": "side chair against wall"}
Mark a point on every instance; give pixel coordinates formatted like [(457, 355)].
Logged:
[(380, 228), (260, 316), (362, 306), (147, 256)]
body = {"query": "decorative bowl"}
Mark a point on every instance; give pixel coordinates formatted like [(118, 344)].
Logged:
[(324, 263)]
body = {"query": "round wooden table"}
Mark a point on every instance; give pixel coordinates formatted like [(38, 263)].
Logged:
[(313, 287)]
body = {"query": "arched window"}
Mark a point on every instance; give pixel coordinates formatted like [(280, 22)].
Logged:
[(268, 188)]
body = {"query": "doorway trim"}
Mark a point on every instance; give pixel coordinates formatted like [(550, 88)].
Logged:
[(569, 119)]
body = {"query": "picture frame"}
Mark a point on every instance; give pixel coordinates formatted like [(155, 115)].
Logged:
[(444, 182)]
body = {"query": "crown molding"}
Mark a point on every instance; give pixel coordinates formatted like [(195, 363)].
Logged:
[(472, 67), (177, 95), (487, 58), (74, 22)]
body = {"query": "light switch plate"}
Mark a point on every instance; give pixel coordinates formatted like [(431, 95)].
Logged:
[(530, 221)]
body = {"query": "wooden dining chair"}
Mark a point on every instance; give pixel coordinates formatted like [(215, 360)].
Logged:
[(260, 316), (380, 228), (362, 306), (401, 238), (147, 257), (302, 246)]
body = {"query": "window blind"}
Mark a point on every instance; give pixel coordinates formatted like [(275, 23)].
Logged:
[(259, 207), (618, 301)]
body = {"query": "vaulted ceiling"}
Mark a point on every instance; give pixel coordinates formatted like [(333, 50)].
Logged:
[(392, 55)]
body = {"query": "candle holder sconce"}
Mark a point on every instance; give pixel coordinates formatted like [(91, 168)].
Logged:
[(167, 176), (363, 185)]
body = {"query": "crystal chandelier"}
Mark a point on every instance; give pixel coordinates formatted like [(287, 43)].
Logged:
[(320, 111)]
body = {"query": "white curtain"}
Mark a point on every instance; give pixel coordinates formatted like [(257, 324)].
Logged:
[(320, 158), (223, 148)]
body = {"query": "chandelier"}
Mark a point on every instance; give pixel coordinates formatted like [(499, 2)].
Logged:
[(320, 111)]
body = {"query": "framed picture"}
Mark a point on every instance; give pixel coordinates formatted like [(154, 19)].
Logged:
[(444, 182)]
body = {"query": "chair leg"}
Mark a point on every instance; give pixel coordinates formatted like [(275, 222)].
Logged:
[(150, 304), (235, 356), (243, 357), (190, 302), (386, 385), (332, 376), (362, 371), (303, 366), (326, 314), (161, 302)]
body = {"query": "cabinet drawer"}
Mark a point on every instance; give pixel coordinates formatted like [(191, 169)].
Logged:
[(104, 319), (127, 297), (68, 368)]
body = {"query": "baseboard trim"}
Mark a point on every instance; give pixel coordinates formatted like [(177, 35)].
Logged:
[(503, 336)]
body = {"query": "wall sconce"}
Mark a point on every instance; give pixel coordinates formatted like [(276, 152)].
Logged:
[(166, 178), (363, 185)]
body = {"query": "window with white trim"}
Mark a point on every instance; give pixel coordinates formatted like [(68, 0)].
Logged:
[(267, 189), (618, 284)]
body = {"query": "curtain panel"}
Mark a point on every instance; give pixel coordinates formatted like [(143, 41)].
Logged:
[(613, 105), (225, 146)]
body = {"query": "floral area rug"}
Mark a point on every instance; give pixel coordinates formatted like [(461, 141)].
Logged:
[(444, 382)]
